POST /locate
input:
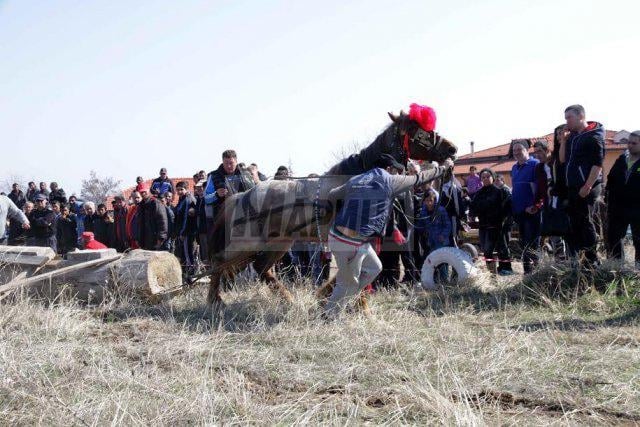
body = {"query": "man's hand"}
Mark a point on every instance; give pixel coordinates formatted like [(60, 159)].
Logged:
[(222, 192), (563, 135), (584, 191), (26, 226), (448, 164)]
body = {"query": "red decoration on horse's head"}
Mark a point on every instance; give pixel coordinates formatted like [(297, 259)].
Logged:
[(424, 116)]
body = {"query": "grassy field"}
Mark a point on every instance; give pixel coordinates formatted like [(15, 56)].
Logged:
[(501, 354)]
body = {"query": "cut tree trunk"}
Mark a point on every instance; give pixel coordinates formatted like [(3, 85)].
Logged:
[(149, 275)]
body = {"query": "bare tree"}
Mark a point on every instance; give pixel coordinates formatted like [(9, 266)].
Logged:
[(96, 189), (7, 182), (346, 150)]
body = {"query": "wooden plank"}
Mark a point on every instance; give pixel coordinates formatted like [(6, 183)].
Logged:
[(5, 289)]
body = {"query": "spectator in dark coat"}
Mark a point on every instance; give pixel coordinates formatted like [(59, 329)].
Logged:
[(103, 227), (120, 241), (186, 228), (57, 194), (18, 233), (17, 196), (90, 217), (153, 225), (582, 153), (32, 192), (623, 199), (43, 225), (201, 221), (43, 190), (67, 231), (492, 206)]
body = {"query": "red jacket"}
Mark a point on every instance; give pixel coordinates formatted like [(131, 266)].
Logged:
[(94, 245)]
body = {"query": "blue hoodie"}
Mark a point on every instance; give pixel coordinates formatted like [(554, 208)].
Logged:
[(523, 181)]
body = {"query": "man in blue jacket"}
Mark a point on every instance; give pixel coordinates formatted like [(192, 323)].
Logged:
[(525, 212), (582, 153), (362, 218)]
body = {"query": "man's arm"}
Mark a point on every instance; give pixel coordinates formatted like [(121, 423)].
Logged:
[(16, 214), (402, 183), (162, 222)]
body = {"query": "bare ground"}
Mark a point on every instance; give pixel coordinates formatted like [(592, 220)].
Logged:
[(464, 357)]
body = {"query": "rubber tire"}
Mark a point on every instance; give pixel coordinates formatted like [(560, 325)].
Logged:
[(459, 260), (471, 249)]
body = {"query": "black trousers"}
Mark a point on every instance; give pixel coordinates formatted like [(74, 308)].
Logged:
[(493, 240), (583, 237), (618, 223)]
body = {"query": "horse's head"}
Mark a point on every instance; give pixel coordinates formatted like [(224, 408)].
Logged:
[(423, 145)]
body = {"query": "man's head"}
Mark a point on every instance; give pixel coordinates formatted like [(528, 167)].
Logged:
[(139, 180), (499, 182), (229, 161), (64, 211), (253, 170), (487, 177), (43, 185), (118, 202), (28, 207), (163, 173), (388, 163), (520, 151), (202, 174), (32, 185), (41, 202), (53, 186), (472, 170), (575, 117), (143, 189), (102, 209), (55, 206), (199, 188), (72, 199), (634, 143), (282, 172), (182, 188), (136, 197), (541, 150), (89, 208), (15, 187), (168, 198)]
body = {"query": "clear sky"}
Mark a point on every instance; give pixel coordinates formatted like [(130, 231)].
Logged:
[(125, 87)]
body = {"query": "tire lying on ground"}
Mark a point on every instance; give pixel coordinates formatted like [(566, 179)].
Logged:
[(471, 250), (459, 260)]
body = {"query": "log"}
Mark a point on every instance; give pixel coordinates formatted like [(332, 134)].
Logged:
[(149, 275), (26, 255), (50, 276)]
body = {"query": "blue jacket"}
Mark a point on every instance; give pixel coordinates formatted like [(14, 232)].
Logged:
[(368, 197), (160, 186), (436, 225), (523, 181), (583, 151), (367, 203)]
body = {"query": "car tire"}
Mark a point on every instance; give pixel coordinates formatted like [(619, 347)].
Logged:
[(458, 259)]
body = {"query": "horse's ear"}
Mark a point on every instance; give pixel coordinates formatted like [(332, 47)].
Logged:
[(393, 117)]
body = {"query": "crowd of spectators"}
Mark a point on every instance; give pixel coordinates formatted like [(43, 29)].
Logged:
[(553, 195)]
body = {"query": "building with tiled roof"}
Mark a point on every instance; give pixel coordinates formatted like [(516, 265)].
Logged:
[(499, 160)]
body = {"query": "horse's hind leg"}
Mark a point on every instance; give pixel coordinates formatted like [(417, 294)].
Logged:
[(214, 300), (264, 267), (276, 285)]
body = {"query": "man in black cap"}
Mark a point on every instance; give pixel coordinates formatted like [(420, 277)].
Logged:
[(43, 225), (362, 219)]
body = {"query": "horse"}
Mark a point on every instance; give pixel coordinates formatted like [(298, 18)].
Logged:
[(261, 224)]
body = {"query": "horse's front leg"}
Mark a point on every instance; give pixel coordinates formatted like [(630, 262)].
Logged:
[(327, 287)]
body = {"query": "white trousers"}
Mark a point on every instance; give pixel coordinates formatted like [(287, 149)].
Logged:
[(358, 265)]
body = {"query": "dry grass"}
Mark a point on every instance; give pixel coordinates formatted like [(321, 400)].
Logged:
[(464, 357)]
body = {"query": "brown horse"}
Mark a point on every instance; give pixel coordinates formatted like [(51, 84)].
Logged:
[(261, 224)]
